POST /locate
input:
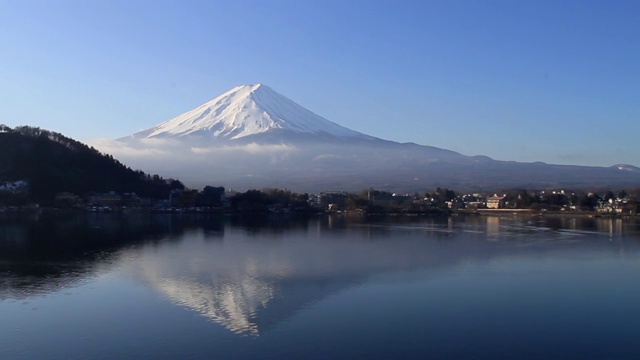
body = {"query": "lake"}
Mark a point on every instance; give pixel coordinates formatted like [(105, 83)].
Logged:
[(143, 286)]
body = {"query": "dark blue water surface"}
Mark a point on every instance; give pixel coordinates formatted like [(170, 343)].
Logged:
[(109, 286)]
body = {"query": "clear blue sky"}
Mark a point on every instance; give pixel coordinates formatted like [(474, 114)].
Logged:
[(554, 81)]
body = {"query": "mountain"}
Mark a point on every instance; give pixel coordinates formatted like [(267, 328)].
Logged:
[(50, 163), (626, 167), (253, 137), (245, 111)]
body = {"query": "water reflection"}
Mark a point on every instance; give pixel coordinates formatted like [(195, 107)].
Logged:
[(250, 273), (45, 253)]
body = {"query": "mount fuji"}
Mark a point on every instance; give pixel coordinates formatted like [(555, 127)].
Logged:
[(253, 137), (246, 111)]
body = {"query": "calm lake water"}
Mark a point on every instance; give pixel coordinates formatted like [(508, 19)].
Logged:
[(102, 286)]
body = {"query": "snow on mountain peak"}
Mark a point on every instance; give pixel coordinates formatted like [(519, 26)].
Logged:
[(247, 110)]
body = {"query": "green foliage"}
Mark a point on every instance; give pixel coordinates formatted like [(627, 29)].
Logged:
[(269, 199), (360, 201), (53, 163), (588, 201), (609, 195), (520, 199)]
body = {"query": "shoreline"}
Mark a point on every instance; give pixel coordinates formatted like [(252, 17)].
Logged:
[(313, 211)]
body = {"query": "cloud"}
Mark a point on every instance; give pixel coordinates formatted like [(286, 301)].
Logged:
[(334, 157), (251, 148), (179, 159), (326, 157), (117, 148)]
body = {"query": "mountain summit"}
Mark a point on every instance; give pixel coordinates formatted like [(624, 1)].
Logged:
[(244, 111), (252, 137)]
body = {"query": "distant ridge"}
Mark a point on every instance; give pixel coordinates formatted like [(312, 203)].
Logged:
[(626, 167), (253, 137)]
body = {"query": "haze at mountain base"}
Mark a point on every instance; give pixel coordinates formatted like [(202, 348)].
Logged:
[(254, 137)]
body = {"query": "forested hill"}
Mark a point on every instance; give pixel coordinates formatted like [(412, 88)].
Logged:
[(53, 163)]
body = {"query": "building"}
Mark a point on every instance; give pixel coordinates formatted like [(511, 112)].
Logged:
[(105, 199), (211, 196), (337, 199), (495, 202), (387, 201), (67, 199)]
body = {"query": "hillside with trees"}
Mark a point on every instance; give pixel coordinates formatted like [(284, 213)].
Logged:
[(51, 163)]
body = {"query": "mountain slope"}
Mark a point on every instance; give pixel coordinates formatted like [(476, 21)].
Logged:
[(244, 111), (51, 163), (254, 137)]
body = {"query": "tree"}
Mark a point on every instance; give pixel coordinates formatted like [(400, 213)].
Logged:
[(520, 199), (52, 163), (588, 201), (609, 195)]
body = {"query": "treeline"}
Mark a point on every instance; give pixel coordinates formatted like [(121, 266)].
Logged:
[(575, 200), (270, 200), (368, 201), (373, 200), (51, 163)]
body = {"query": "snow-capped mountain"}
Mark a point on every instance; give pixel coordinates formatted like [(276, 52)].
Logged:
[(244, 111), (626, 167), (254, 137)]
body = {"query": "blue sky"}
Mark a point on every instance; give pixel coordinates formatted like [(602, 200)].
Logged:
[(553, 81)]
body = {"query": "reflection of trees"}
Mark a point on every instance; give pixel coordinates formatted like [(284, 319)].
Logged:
[(269, 223), (41, 254), (249, 283)]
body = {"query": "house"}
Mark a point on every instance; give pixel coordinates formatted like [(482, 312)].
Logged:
[(211, 196), (67, 199), (338, 199), (105, 199), (183, 198), (386, 200), (456, 204), (612, 206), (495, 202)]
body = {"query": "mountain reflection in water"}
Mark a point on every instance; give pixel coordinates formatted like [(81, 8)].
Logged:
[(153, 286), (250, 273)]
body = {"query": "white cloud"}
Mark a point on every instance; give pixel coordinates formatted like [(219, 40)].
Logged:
[(251, 148), (117, 148)]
